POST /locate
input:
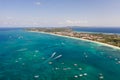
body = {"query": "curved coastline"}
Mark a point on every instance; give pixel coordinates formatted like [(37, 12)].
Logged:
[(104, 44)]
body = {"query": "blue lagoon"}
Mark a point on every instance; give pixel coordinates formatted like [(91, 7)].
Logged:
[(38, 56)]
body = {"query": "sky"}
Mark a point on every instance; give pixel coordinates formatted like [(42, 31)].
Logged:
[(59, 13)]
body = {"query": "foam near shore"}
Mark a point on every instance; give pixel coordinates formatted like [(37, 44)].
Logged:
[(108, 45)]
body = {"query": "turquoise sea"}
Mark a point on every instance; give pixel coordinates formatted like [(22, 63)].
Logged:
[(37, 56)]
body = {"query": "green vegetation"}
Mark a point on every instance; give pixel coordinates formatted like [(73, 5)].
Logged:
[(50, 29)]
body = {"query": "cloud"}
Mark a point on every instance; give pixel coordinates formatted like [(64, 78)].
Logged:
[(38, 3), (76, 22), (9, 17)]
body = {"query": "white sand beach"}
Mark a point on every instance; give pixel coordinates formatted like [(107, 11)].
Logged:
[(104, 44)]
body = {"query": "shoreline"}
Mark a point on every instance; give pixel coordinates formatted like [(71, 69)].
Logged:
[(104, 44)]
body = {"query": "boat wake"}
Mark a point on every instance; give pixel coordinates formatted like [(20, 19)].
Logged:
[(22, 49), (52, 58)]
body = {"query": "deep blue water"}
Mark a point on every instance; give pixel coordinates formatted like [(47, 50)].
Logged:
[(9, 29), (30, 56), (115, 30)]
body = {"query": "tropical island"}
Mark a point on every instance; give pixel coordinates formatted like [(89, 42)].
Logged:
[(110, 39)]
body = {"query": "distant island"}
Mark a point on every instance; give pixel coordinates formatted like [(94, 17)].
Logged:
[(111, 39)]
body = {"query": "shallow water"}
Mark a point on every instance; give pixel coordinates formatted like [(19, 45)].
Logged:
[(29, 56)]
